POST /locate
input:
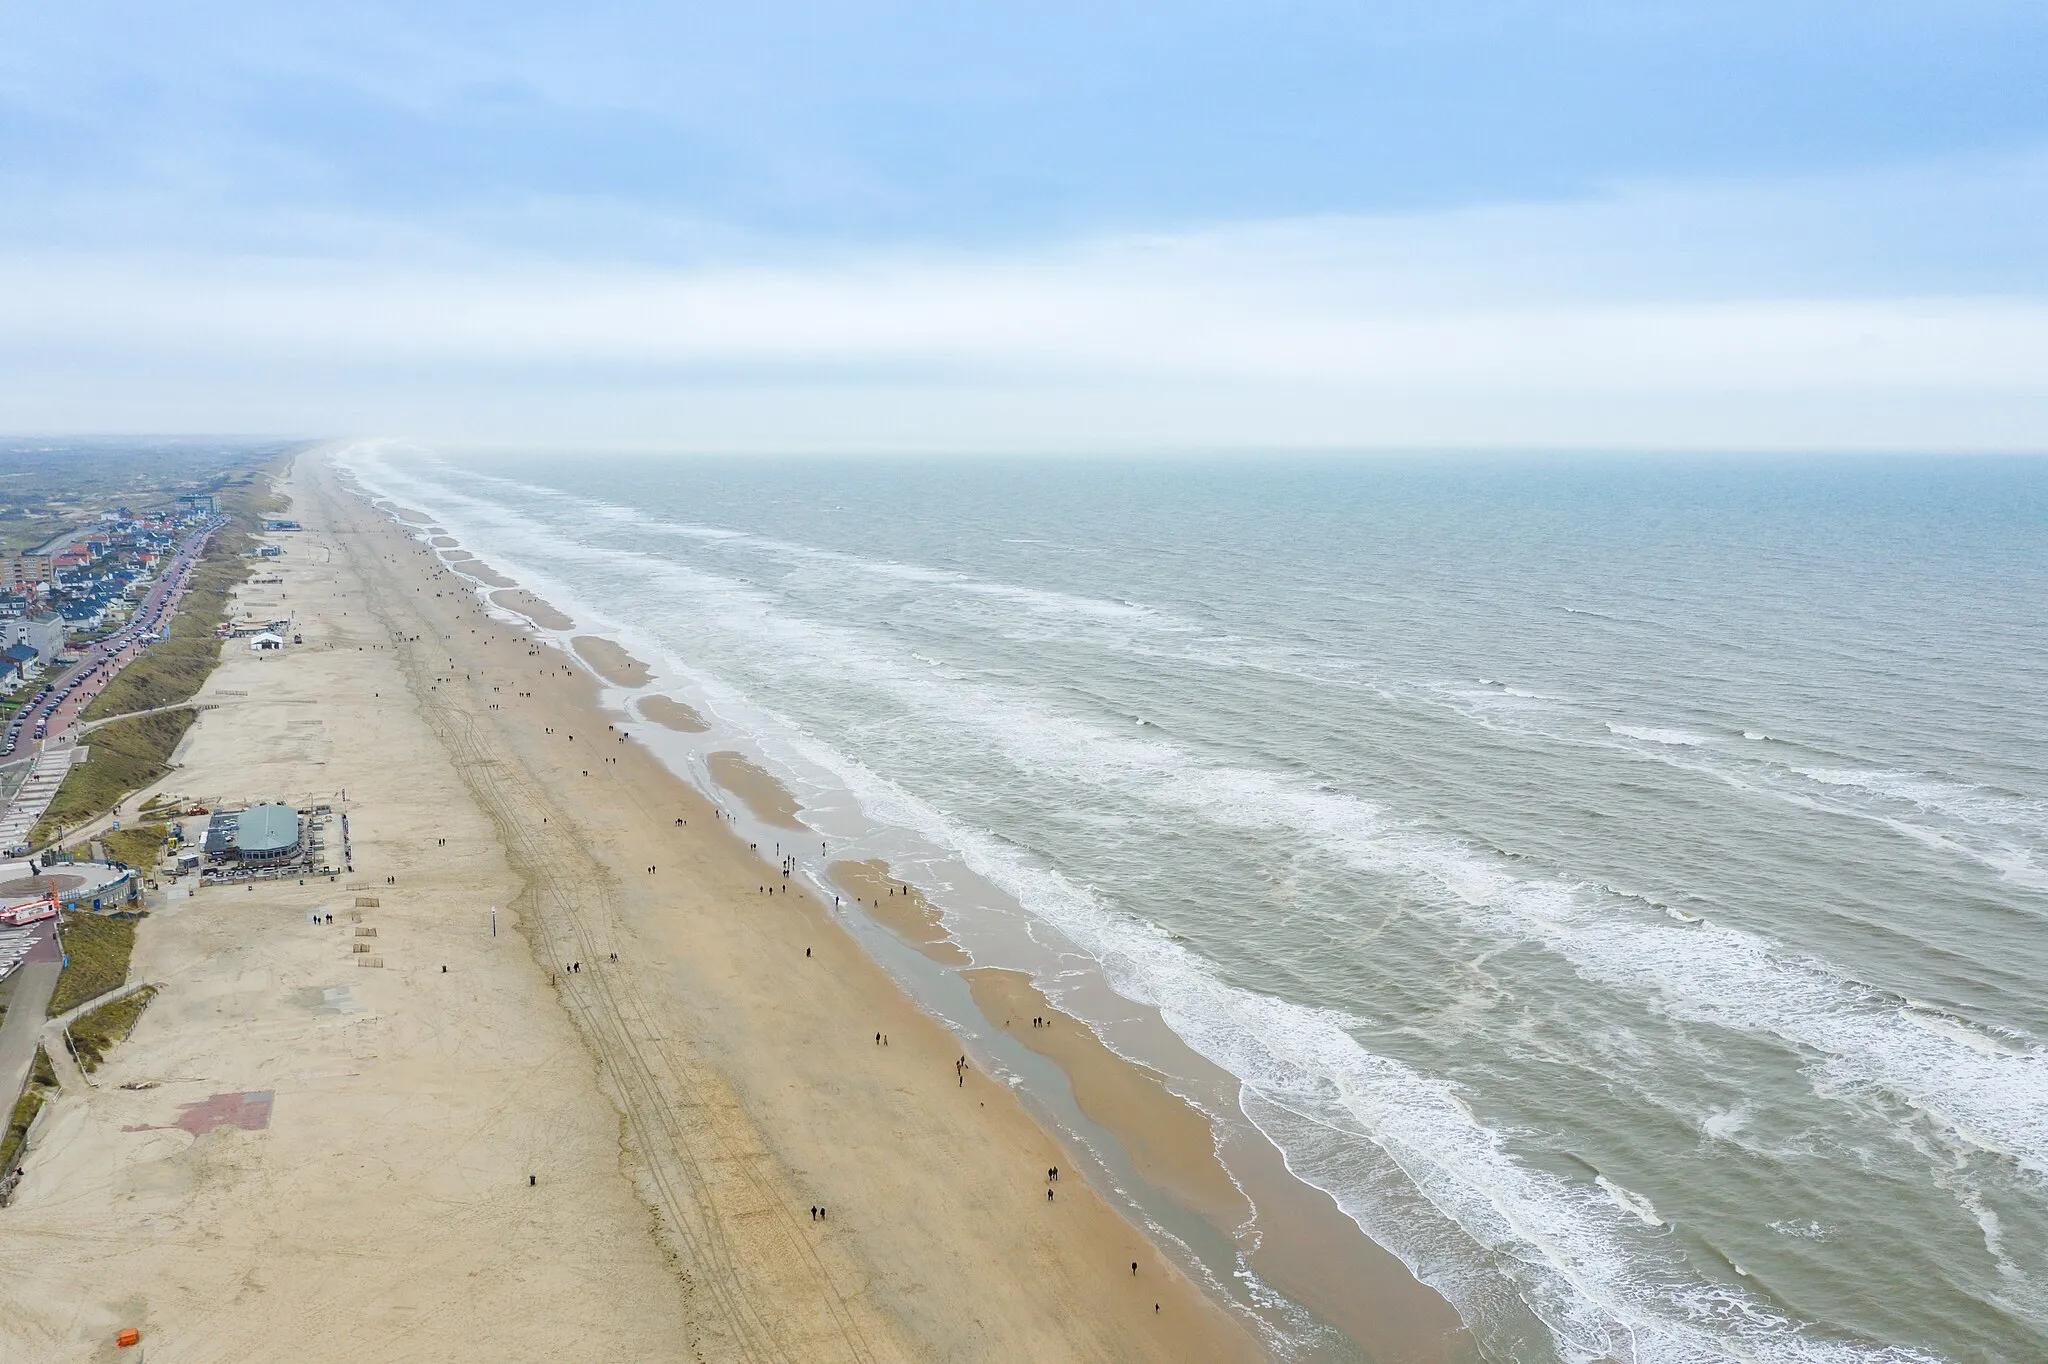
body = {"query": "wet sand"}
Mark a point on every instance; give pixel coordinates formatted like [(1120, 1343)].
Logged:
[(902, 909), (1170, 1142), (670, 713), (481, 571), (770, 801), (612, 663), (533, 608)]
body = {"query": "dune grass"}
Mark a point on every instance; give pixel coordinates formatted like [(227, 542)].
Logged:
[(139, 845), (124, 755), (42, 1081), (95, 1034), (99, 949)]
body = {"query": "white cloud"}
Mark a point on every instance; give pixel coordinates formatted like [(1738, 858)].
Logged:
[(1600, 323)]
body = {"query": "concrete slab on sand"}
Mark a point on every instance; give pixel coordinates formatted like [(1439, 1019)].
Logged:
[(249, 1111)]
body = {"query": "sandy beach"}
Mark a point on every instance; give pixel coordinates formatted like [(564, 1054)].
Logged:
[(597, 1134)]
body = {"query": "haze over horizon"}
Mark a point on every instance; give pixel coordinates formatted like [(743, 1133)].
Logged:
[(906, 227)]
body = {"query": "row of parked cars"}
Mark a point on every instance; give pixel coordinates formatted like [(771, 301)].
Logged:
[(31, 708)]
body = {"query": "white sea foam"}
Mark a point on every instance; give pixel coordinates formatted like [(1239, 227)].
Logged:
[(1991, 820), (1959, 801), (1630, 1202), (1725, 1124), (1035, 599), (1679, 738)]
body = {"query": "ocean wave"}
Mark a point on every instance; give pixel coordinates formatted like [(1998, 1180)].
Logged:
[(1629, 1201), (1677, 738), (1044, 601), (1964, 803)]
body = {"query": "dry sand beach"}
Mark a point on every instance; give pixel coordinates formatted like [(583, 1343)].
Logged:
[(515, 1146)]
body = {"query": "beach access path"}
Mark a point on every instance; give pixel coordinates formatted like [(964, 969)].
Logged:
[(513, 1146)]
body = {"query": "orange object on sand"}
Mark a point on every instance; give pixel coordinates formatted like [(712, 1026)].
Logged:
[(129, 1335)]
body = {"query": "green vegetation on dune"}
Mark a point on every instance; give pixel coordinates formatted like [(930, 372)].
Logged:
[(42, 1080), (125, 755), (138, 846), (95, 1034), (97, 948)]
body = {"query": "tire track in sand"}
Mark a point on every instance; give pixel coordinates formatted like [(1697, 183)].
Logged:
[(761, 1289)]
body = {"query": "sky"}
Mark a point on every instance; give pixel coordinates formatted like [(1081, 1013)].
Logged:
[(1650, 225)]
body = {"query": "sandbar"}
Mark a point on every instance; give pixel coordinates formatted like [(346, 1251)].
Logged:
[(901, 908), (444, 542), (611, 662), (670, 713), (533, 608), (1168, 1139), (482, 572), (766, 797)]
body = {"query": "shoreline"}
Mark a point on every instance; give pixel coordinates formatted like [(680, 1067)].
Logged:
[(1324, 1262), (577, 700), (501, 1137)]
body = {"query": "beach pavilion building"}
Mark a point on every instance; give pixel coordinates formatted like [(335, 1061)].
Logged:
[(267, 833)]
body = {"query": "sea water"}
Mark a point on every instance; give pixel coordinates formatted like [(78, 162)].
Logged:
[(1621, 884)]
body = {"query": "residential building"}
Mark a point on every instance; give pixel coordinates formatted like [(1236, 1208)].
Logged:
[(43, 632), (20, 569), (17, 661)]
